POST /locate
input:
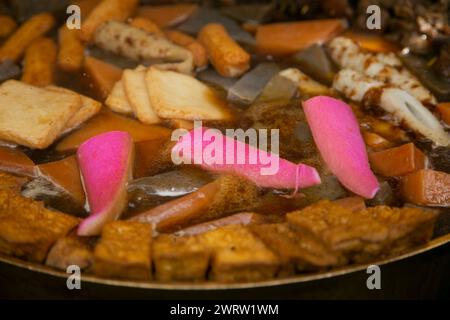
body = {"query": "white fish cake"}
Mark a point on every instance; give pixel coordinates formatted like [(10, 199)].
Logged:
[(117, 100), (32, 116), (138, 95)]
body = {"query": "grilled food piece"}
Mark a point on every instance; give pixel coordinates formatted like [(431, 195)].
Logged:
[(11, 182), (124, 251), (296, 251), (238, 255), (180, 258), (71, 250), (28, 229), (367, 234)]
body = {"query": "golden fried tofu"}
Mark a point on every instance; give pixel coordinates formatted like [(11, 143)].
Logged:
[(32, 116), (124, 251), (180, 258), (238, 255), (296, 250), (340, 229), (28, 229), (11, 182), (71, 250)]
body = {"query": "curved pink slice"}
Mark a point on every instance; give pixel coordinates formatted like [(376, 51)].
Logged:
[(336, 133), (106, 162), (263, 168)]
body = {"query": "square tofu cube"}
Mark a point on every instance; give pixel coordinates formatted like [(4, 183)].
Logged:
[(28, 229), (180, 258), (32, 116), (124, 251), (238, 255)]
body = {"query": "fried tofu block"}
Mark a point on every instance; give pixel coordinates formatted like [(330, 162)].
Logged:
[(102, 75), (107, 10), (71, 50), (426, 187), (408, 227), (238, 255), (124, 251), (296, 250), (14, 47), (89, 108), (16, 162), (178, 96), (117, 100), (27, 229), (225, 54), (32, 116), (180, 258), (244, 218), (71, 250), (138, 95), (340, 229), (398, 161), (39, 62), (7, 25), (11, 182)]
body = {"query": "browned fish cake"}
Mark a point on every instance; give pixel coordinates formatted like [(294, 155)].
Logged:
[(11, 182), (238, 255), (124, 251), (180, 258), (295, 250), (28, 229), (71, 250)]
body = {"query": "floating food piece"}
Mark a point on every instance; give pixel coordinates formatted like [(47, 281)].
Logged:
[(400, 104), (248, 88), (28, 229), (7, 25), (427, 187), (375, 141), (136, 44), (289, 37), (296, 250), (227, 57), (148, 153), (9, 70), (167, 16), (11, 182), (444, 111), (337, 136), (427, 76), (211, 201), (14, 47), (371, 42), (106, 165), (71, 50), (107, 121), (117, 100), (145, 24), (238, 255), (348, 55), (89, 108), (306, 86), (124, 251), (315, 62), (179, 96), (107, 10), (244, 218), (213, 78), (71, 250), (138, 95), (65, 175), (263, 168), (86, 6), (398, 161), (204, 16), (32, 116), (195, 47), (180, 258), (103, 75), (354, 204), (16, 162), (279, 88), (39, 61)]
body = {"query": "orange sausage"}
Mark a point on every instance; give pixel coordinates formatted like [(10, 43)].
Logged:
[(39, 62), (71, 50), (227, 57), (7, 25)]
